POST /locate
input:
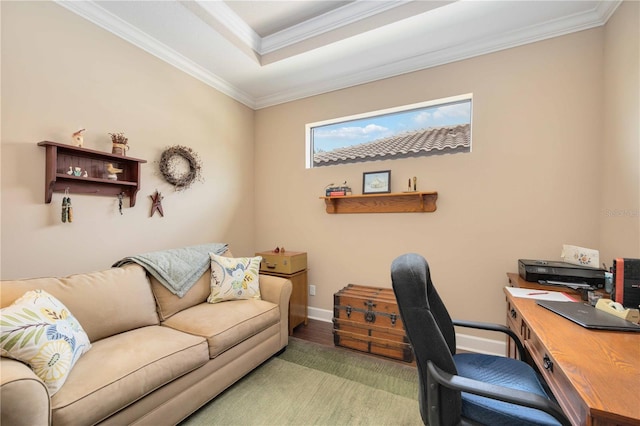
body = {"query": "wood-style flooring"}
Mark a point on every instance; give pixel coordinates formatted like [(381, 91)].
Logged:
[(315, 331)]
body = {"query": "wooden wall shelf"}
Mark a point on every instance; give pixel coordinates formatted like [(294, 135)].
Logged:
[(60, 157), (401, 202)]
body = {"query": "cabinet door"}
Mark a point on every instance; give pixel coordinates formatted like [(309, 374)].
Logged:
[(298, 301)]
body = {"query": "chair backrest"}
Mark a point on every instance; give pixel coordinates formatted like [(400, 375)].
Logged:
[(429, 329)]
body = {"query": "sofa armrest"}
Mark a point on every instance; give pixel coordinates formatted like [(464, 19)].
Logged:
[(278, 290), (23, 396)]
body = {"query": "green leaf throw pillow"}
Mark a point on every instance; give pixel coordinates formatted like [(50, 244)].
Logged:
[(234, 278), (39, 330)]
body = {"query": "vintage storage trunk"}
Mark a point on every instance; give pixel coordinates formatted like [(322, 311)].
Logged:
[(367, 319), (288, 262)]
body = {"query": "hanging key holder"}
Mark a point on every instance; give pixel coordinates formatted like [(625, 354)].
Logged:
[(120, 197), (67, 209), (64, 210)]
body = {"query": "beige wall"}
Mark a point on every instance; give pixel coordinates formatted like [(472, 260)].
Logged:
[(59, 73), (532, 183), (555, 129), (620, 214)]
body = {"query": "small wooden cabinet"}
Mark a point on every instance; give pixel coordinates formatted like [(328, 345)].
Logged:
[(62, 158), (295, 264)]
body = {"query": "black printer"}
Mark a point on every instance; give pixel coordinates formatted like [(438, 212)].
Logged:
[(548, 270)]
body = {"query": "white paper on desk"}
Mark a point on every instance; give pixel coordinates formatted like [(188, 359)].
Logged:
[(530, 293)]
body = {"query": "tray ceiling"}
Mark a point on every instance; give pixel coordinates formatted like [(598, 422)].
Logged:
[(264, 53)]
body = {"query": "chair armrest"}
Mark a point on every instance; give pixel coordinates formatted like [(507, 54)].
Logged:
[(501, 393), (492, 327), (275, 289), (23, 396), (278, 290)]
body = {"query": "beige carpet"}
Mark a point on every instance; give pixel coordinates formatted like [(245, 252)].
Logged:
[(310, 384)]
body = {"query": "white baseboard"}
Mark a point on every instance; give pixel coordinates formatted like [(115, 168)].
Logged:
[(481, 345), (320, 314), (464, 342)]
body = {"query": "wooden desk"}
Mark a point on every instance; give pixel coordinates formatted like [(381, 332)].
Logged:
[(595, 375)]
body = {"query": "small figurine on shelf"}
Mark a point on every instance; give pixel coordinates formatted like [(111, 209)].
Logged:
[(112, 172), (86, 174), (413, 188), (70, 171), (119, 144), (77, 171), (78, 138)]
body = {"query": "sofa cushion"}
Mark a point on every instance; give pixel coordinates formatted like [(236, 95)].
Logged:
[(39, 330), (226, 324), (234, 278), (123, 368), (170, 304), (105, 303)]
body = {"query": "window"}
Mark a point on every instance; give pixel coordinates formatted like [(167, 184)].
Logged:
[(427, 128)]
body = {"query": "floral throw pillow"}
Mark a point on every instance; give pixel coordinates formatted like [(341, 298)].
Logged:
[(39, 330), (234, 278)]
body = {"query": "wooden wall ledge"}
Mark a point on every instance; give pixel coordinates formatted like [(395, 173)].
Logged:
[(60, 157), (401, 202)]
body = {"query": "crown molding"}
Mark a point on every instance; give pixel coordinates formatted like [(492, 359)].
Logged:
[(330, 21), (606, 8), (327, 22), (227, 17), (554, 28), (92, 12)]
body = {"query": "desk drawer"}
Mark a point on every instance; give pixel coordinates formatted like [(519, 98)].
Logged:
[(516, 323), (561, 387), (589, 372)]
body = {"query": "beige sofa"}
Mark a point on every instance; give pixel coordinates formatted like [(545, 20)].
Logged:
[(154, 358)]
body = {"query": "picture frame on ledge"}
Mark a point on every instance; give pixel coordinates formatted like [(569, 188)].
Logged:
[(376, 182)]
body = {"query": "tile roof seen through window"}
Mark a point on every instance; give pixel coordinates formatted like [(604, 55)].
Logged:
[(434, 140)]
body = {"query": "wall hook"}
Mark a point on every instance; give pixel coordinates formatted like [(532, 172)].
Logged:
[(120, 197)]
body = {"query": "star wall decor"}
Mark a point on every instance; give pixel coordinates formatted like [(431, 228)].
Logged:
[(157, 203)]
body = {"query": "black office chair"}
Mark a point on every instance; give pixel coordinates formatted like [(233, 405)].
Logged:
[(466, 388)]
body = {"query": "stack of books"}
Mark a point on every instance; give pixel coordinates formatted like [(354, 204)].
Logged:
[(338, 191)]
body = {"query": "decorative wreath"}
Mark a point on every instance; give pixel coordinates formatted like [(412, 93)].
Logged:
[(172, 173)]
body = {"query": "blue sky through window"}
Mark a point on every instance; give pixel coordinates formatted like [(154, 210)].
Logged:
[(353, 132)]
